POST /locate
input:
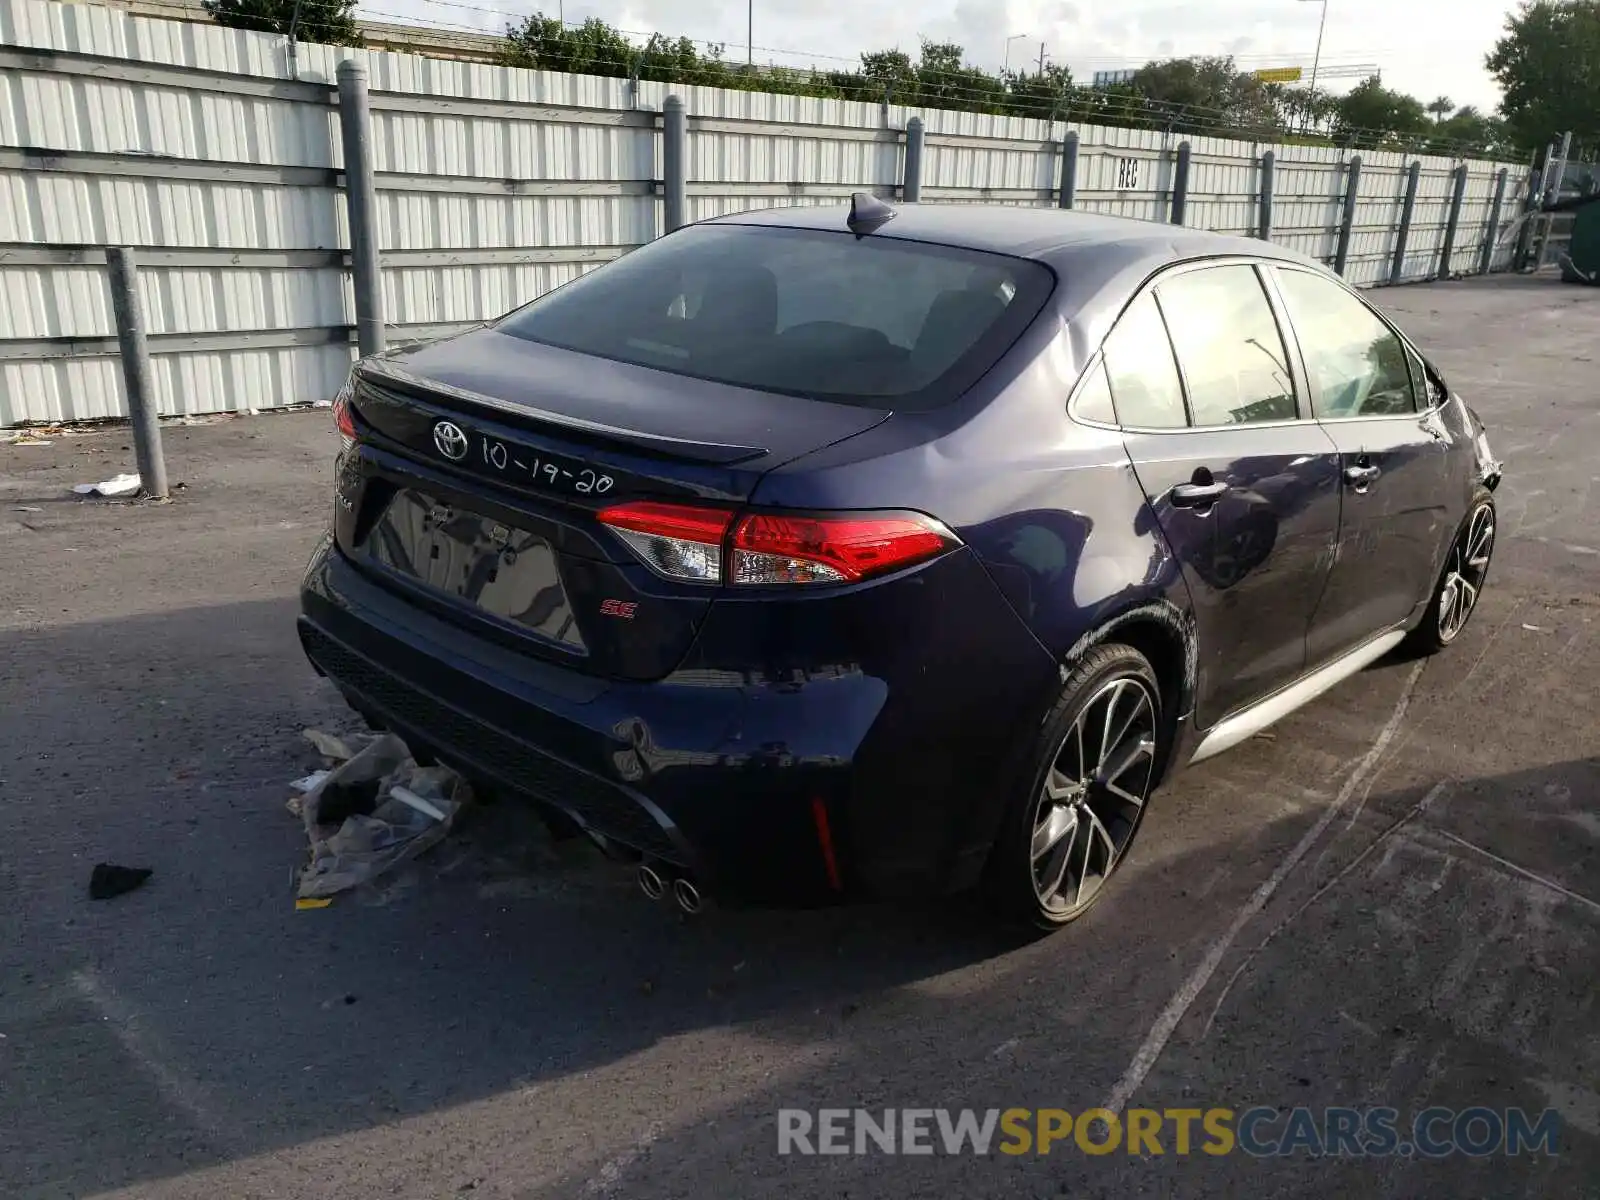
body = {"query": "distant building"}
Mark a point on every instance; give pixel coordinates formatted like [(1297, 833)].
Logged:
[(1102, 79)]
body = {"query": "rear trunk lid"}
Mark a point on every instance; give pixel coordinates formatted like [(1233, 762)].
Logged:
[(482, 462)]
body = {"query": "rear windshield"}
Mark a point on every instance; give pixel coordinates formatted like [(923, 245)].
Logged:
[(871, 321)]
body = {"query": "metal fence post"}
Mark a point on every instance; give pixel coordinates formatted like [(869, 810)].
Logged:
[(361, 205), (911, 184), (1180, 182), (674, 164), (136, 371), (1347, 222), (1398, 267), (1069, 170), (1456, 197), (1492, 231), (1269, 163)]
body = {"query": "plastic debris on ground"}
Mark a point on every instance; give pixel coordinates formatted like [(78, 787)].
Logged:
[(109, 880), (115, 487), (374, 808)]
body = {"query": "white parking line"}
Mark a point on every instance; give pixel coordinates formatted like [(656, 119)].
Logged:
[(185, 1094), (1161, 1032)]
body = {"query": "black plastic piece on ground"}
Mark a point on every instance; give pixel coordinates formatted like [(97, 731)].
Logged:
[(109, 880)]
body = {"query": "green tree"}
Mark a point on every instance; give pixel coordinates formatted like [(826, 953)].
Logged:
[(1548, 67), (1045, 95), (1197, 95), (1471, 132), (1441, 108), (1301, 108), (329, 22), (593, 48), (1373, 116), (943, 82), (883, 73)]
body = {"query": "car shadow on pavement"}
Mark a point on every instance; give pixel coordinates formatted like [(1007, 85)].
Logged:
[(201, 1022)]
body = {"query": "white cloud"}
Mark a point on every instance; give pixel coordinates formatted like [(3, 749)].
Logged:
[(1426, 47)]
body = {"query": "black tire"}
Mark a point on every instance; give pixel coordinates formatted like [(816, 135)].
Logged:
[(1442, 622), (1102, 815)]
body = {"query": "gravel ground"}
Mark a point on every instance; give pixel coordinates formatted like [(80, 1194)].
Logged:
[(1393, 900)]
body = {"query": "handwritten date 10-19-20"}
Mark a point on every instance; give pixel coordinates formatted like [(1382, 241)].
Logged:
[(543, 472)]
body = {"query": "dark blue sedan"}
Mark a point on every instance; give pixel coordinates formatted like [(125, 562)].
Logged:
[(826, 552)]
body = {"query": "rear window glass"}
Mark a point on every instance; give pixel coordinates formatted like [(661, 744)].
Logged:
[(870, 321)]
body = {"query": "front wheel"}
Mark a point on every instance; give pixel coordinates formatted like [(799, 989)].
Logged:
[(1092, 771), (1456, 593)]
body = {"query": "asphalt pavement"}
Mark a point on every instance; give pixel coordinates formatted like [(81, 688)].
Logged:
[(1392, 900)]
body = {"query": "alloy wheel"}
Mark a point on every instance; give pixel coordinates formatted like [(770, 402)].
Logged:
[(1093, 795), (1465, 572)]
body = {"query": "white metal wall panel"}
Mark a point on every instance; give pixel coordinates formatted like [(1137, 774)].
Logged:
[(977, 166), (89, 387), (442, 221), (1308, 199), (76, 301), (760, 156), (107, 211), (113, 117), (704, 207)]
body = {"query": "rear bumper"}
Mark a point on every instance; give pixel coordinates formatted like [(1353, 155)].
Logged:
[(724, 773)]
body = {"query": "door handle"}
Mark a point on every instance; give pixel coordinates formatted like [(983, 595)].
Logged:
[(1197, 495), (1361, 477)]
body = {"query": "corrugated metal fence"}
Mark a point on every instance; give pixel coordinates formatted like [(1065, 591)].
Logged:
[(197, 145)]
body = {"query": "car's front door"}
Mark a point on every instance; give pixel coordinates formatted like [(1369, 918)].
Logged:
[(1245, 486), (1394, 461)]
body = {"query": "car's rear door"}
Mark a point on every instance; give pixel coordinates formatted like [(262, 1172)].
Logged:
[(1393, 458), (1244, 484)]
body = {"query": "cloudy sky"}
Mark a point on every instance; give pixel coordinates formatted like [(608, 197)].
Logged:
[(1427, 47)]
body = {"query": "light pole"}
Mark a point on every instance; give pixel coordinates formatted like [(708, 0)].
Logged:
[(1316, 59), (1005, 64), (750, 33)]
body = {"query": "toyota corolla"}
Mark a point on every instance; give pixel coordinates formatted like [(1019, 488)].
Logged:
[(821, 552)]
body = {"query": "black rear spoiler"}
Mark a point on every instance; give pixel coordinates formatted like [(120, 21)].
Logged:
[(385, 373)]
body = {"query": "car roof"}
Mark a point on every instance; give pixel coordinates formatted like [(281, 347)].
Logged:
[(1053, 235)]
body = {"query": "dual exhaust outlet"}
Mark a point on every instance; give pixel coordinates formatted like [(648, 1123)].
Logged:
[(655, 881)]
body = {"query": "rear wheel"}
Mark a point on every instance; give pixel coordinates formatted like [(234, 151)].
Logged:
[(1093, 768), (1466, 569)]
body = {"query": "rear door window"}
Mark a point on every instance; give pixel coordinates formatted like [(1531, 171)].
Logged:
[(1227, 340), (871, 321), (1139, 366), (1093, 402)]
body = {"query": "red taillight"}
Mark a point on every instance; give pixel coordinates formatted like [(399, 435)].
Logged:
[(693, 543), (680, 541), (343, 418), (771, 548)]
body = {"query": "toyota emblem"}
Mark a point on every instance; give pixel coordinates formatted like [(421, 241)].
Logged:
[(450, 440)]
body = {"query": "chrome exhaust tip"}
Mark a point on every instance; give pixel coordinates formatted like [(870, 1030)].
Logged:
[(650, 882), (687, 896)]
